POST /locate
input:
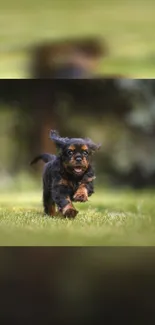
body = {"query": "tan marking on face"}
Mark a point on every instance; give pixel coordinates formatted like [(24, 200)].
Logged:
[(85, 162), (71, 147), (84, 147), (67, 165), (71, 163), (72, 160)]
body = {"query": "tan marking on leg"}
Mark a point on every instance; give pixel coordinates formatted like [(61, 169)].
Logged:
[(69, 211), (52, 210), (81, 194), (68, 206)]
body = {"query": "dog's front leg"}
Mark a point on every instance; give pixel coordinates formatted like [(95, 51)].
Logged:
[(60, 195), (81, 195), (85, 189)]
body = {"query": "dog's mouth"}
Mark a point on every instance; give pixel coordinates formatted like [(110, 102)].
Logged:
[(78, 170)]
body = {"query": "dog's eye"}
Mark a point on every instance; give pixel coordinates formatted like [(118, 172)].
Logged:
[(70, 152), (85, 153)]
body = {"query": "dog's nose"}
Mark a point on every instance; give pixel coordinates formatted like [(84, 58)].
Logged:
[(78, 159)]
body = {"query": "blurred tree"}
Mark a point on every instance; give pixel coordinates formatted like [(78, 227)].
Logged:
[(120, 113), (67, 58)]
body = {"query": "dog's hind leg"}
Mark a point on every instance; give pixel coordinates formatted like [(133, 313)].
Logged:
[(45, 201), (48, 203), (52, 209)]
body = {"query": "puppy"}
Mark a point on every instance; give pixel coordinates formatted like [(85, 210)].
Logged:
[(67, 177)]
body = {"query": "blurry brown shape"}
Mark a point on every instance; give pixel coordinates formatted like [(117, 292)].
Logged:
[(50, 58)]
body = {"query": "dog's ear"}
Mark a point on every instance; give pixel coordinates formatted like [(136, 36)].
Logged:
[(94, 147), (60, 142)]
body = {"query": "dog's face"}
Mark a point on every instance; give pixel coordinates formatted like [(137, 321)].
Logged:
[(75, 152), (76, 158)]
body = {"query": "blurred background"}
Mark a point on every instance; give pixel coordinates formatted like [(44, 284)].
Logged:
[(77, 39), (119, 113), (125, 28)]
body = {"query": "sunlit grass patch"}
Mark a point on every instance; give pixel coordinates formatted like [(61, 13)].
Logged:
[(109, 218)]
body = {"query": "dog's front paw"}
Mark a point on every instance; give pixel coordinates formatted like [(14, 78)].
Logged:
[(81, 196), (69, 211)]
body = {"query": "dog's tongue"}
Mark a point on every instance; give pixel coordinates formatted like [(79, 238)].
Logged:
[(78, 169)]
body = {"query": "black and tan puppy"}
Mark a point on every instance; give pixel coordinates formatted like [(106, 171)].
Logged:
[(69, 176)]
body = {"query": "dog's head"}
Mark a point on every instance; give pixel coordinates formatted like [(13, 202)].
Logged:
[(75, 152)]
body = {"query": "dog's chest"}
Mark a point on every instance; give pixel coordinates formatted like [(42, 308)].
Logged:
[(71, 183), (75, 186)]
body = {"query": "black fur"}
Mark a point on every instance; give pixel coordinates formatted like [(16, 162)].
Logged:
[(61, 183), (45, 157), (62, 142)]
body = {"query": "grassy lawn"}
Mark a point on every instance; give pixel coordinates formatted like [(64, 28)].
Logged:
[(126, 25), (109, 218)]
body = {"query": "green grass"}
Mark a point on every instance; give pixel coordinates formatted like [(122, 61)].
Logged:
[(128, 27), (109, 218)]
